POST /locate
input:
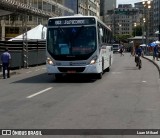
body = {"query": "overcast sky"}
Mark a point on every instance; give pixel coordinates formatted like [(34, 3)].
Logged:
[(127, 1)]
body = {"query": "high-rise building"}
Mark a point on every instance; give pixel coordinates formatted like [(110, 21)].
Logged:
[(147, 18), (12, 25), (123, 19), (72, 4), (84, 7), (106, 5), (156, 15)]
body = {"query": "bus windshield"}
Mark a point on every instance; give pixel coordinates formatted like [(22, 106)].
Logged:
[(71, 42)]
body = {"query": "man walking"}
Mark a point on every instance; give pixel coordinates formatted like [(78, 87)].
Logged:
[(5, 58), (121, 50), (155, 53)]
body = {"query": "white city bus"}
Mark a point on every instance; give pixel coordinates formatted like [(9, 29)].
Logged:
[(78, 45)]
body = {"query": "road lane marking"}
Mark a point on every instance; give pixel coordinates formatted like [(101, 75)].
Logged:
[(40, 92), (37, 69), (144, 81)]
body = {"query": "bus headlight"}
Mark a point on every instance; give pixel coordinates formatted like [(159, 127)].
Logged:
[(93, 61), (49, 61)]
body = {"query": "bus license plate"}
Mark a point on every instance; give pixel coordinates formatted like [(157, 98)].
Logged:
[(71, 71)]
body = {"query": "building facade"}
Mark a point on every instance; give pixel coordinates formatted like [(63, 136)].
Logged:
[(84, 7), (147, 18), (106, 5), (72, 4), (12, 25), (123, 19), (156, 15)]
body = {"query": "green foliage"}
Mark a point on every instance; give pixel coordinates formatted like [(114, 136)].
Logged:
[(137, 31), (122, 38)]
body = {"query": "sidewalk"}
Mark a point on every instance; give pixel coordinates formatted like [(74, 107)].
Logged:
[(12, 72), (22, 70), (155, 62)]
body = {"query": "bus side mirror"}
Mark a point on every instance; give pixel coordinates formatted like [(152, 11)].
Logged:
[(101, 31)]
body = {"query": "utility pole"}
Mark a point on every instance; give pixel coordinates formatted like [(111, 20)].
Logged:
[(114, 22), (159, 33), (147, 7), (77, 6), (135, 27)]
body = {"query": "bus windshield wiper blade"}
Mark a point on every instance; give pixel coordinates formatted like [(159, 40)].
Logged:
[(61, 29), (65, 36)]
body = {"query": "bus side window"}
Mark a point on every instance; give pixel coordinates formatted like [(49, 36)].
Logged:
[(100, 36)]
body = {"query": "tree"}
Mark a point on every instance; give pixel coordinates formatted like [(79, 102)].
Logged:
[(137, 31), (122, 38)]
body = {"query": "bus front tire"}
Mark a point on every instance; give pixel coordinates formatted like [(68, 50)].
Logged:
[(108, 69), (57, 76), (99, 75)]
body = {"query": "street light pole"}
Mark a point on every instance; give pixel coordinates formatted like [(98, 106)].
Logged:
[(77, 6), (119, 30), (143, 30), (135, 25), (147, 5)]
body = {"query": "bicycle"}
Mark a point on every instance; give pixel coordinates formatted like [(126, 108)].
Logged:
[(138, 62)]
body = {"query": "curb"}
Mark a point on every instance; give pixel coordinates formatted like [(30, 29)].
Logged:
[(11, 73), (158, 67)]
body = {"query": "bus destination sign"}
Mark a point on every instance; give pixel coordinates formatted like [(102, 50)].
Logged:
[(71, 21)]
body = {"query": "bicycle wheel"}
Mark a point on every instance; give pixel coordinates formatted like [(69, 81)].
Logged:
[(140, 64)]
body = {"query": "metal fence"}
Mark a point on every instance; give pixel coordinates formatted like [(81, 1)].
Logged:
[(36, 52)]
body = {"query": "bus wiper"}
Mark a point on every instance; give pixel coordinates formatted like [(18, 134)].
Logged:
[(61, 30)]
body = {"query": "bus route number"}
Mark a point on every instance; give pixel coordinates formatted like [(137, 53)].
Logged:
[(69, 22)]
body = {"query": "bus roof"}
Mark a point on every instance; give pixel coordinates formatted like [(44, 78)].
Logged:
[(81, 16), (72, 16)]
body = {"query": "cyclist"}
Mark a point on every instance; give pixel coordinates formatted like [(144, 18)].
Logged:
[(138, 54)]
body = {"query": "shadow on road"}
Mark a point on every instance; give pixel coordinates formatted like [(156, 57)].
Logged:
[(41, 78), (74, 79), (45, 78)]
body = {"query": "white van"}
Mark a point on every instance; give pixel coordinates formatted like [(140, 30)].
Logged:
[(116, 48)]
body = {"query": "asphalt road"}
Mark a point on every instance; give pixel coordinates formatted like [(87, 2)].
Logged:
[(125, 98)]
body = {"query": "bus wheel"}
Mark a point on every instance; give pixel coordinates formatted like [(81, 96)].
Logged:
[(102, 65), (58, 77), (99, 75), (108, 69)]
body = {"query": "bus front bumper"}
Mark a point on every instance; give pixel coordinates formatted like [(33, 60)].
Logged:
[(88, 69)]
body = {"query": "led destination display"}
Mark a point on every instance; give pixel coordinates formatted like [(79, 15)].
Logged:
[(73, 21)]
